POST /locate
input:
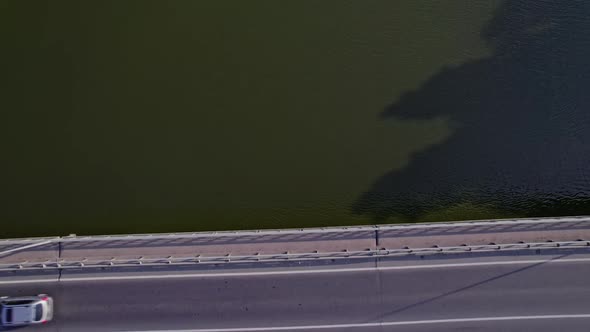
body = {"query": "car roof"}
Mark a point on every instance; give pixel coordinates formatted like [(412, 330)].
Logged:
[(21, 315)]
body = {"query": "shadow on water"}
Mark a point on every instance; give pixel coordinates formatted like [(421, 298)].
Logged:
[(521, 126)]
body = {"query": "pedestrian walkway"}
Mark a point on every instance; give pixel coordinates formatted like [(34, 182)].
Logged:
[(269, 242)]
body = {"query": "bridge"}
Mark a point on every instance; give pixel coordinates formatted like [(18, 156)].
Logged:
[(509, 275)]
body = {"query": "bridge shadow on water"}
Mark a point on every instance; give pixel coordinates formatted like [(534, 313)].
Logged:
[(521, 127)]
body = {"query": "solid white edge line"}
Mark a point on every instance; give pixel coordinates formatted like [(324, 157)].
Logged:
[(377, 324), (311, 271), (31, 281), (360, 269)]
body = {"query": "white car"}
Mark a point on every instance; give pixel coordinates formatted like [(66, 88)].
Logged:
[(25, 310)]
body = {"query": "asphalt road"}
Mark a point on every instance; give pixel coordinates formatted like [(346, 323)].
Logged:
[(462, 297)]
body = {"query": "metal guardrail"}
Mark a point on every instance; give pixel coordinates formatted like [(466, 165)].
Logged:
[(170, 260), (371, 228)]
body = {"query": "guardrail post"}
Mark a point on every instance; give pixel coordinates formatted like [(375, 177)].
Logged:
[(286, 256), (376, 236)]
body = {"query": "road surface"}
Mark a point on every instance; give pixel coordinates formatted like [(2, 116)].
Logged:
[(520, 293)]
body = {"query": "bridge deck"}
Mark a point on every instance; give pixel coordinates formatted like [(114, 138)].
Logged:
[(297, 241)]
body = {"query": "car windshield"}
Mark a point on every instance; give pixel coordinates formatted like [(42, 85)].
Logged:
[(9, 315), (38, 312), (18, 302)]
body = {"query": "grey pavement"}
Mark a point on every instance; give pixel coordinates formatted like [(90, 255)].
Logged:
[(465, 290)]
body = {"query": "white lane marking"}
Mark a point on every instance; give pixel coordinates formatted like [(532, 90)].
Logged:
[(311, 271), (377, 324), (30, 281)]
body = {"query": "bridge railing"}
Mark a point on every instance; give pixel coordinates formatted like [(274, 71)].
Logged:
[(347, 229), (227, 259)]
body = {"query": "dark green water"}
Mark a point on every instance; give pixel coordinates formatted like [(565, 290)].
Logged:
[(150, 116)]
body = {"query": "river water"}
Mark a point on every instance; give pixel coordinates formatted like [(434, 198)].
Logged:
[(151, 116)]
